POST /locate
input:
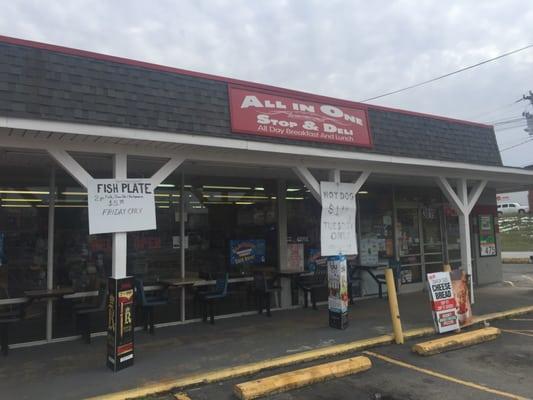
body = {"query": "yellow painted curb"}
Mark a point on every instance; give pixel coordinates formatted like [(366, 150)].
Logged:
[(514, 312), (418, 332), (248, 369), (293, 359), (302, 377), (181, 396), (456, 341)]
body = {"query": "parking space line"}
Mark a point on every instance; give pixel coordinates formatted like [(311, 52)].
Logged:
[(517, 332), (181, 396), (444, 377)]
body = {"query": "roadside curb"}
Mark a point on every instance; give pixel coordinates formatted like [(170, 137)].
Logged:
[(457, 341), (293, 359), (301, 377), (516, 260), (513, 312)]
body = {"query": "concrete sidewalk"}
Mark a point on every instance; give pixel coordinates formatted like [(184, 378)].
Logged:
[(73, 370), (517, 256)]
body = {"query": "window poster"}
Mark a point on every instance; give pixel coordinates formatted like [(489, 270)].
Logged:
[(487, 236), (406, 276), (369, 251), (247, 252), (295, 257), (313, 259)]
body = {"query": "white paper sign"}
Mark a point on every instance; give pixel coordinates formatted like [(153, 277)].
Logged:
[(121, 205), (176, 242), (337, 225)]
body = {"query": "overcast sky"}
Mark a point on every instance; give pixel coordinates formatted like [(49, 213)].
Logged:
[(347, 49)]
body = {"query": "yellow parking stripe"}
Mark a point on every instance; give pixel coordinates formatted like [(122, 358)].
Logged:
[(444, 377), (517, 332)]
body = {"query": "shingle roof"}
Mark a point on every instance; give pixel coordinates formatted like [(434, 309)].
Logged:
[(46, 84)]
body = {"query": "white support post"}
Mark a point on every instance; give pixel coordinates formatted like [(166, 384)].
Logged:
[(282, 223), (310, 182), (71, 166), (182, 243), (169, 167), (120, 239), (462, 192), (450, 194), (50, 254), (335, 175), (464, 202), (475, 193), (361, 180), (285, 296)]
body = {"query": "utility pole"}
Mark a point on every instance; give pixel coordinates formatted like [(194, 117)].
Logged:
[(527, 115)]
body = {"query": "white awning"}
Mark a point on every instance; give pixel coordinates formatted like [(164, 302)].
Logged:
[(44, 134)]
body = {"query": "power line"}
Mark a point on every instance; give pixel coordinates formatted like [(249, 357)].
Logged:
[(516, 145), (506, 121), (507, 128), (503, 118), (449, 74), (493, 110)]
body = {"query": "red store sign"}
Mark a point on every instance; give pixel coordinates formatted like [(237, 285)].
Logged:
[(264, 114)]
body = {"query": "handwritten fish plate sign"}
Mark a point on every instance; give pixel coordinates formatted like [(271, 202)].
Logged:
[(121, 205), (337, 225)]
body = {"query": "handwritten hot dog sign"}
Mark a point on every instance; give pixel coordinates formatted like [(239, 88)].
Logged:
[(121, 205), (337, 222), (263, 114)]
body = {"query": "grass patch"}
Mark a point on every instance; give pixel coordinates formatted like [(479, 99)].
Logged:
[(516, 233)]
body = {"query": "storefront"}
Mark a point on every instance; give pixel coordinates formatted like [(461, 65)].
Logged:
[(234, 170)]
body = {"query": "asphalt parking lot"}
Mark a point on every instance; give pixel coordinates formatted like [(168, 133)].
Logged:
[(499, 369)]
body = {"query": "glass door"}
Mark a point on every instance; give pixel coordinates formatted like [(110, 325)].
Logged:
[(410, 247), (432, 255), (452, 236)]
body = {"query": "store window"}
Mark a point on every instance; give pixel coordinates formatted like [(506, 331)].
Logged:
[(155, 255), (432, 234), (409, 245), (81, 261), (303, 234), (303, 224), (231, 227), (376, 227), (453, 238), (420, 232), (24, 196)]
